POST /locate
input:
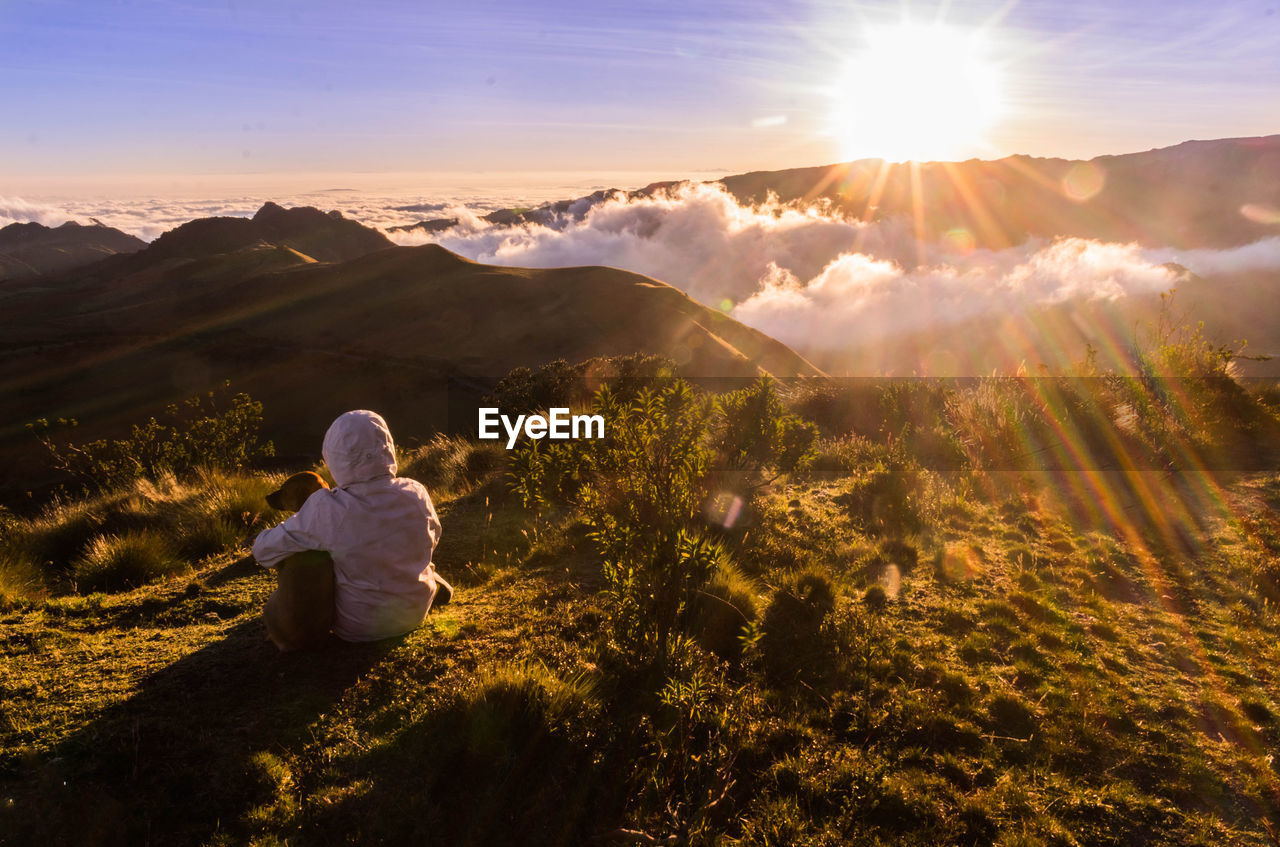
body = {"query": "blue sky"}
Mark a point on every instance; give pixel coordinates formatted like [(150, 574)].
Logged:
[(104, 87)]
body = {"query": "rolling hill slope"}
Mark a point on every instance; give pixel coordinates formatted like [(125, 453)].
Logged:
[(386, 329)]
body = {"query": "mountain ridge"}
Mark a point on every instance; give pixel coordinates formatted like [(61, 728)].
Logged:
[(1000, 203), (32, 249), (387, 329), (324, 236)]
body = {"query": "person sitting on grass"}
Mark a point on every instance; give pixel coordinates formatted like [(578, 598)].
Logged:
[(379, 529)]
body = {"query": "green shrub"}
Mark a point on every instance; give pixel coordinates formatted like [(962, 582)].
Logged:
[(558, 383), (216, 430), (901, 554), (58, 536), (218, 511), (19, 579), (723, 610), (793, 644), (756, 434), (640, 490), (881, 495), (884, 482), (210, 537), (451, 463), (513, 706), (875, 598), (1256, 711), (115, 562)]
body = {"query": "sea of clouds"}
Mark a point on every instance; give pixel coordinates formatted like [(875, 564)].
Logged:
[(809, 278), (148, 217), (815, 281)]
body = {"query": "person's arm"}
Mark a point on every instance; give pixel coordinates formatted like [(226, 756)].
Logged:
[(305, 530), (433, 523), (433, 528)]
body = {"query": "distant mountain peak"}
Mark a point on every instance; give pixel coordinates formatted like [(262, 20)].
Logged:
[(31, 249), (324, 236), (269, 210)]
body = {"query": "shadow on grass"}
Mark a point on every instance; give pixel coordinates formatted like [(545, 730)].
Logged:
[(509, 763), (173, 764)]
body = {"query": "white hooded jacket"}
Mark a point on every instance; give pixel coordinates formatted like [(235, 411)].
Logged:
[(380, 530)]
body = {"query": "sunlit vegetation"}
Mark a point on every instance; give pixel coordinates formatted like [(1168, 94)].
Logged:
[(1015, 611)]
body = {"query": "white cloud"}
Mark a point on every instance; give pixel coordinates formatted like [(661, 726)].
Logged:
[(857, 298), (816, 281), (1260, 255), (18, 210), (148, 217), (813, 279), (696, 237)]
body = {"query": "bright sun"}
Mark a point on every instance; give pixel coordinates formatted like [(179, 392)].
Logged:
[(916, 92)]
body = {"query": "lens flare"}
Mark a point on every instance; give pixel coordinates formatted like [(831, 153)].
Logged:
[(1083, 181), (724, 509), (1261, 213)]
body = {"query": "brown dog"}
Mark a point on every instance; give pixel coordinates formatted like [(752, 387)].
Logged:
[(299, 613)]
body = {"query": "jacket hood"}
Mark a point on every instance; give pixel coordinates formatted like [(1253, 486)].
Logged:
[(358, 448)]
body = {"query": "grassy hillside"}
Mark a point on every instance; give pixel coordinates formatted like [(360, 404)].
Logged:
[(386, 330), (751, 618)]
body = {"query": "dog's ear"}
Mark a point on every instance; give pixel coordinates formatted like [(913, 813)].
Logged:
[(275, 500), (295, 491)]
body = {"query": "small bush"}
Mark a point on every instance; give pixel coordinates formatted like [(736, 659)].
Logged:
[(449, 463), (19, 579), (209, 538), (755, 434), (218, 512), (881, 495), (769, 547), (59, 536), (558, 383), (955, 687), (215, 430), (875, 598), (126, 512), (723, 609), (114, 562), (1256, 711), (516, 705), (792, 643), (640, 490)]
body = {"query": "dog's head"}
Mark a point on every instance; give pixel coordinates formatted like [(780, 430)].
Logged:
[(295, 491)]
